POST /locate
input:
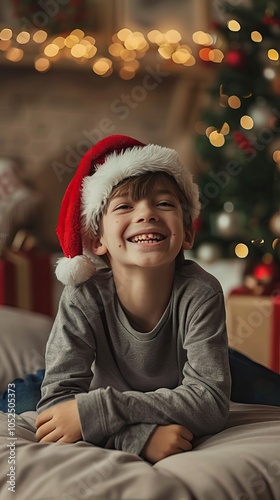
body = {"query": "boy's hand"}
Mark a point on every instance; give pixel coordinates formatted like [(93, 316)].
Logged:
[(59, 423), (167, 440)]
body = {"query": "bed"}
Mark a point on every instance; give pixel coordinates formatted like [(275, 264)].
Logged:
[(242, 462)]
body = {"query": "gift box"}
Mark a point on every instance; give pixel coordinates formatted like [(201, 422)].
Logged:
[(253, 324), (26, 279)]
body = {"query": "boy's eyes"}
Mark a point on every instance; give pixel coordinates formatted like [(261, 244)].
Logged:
[(161, 203), (123, 206)]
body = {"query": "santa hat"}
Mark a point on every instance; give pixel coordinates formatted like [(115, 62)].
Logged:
[(107, 163)]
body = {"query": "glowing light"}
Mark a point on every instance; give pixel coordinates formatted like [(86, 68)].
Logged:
[(42, 64), (59, 41), (51, 50), (153, 35), (166, 51), (14, 54), (131, 42), (191, 61), (5, 44), (223, 100), (78, 50), (233, 25), (173, 36), (209, 130), (269, 73), (256, 36), (102, 66), (6, 34), (258, 242), (23, 37), (273, 54), (202, 38), (90, 49), (275, 243), (276, 156), (115, 49), (123, 34), (204, 54), (89, 39), (216, 55), (246, 122), (181, 56), (71, 40), (225, 129), (234, 102), (216, 139), (40, 36), (241, 250), (78, 33), (128, 55)]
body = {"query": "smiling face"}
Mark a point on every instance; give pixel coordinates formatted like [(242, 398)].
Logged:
[(144, 223)]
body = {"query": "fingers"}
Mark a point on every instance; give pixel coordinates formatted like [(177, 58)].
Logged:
[(44, 430), (185, 433), (43, 417)]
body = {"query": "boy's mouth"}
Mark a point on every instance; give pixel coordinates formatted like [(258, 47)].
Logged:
[(147, 238)]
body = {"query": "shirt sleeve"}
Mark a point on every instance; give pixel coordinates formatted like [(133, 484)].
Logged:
[(70, 352), (200, 402)]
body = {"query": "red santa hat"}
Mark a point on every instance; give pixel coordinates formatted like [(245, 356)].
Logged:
[(105, 165)]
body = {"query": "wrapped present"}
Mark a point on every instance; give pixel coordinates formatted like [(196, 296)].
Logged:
[(27, 277), (253, 323)]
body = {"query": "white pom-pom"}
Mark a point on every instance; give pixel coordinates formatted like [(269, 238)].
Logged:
[(74, 271)]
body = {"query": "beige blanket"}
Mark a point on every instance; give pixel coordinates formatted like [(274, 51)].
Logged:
[(240, 463)]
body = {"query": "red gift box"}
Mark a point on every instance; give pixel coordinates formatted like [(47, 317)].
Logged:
[(26, 280), (253, 323)]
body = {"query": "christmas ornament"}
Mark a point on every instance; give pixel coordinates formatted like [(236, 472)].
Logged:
[(265, 273), (261, 114), (227, 225), (236, 59), (209, 252), (242, 142)]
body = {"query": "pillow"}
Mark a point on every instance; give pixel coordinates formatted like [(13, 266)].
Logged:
[(23, 337)]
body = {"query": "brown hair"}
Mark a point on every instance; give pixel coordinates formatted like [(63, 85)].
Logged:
[(140, 186)]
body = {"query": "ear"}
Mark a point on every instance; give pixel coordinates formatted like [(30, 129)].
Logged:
[(189, 238), (98, 247)]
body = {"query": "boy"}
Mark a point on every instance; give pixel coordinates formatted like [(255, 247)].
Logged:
[(137, 359)]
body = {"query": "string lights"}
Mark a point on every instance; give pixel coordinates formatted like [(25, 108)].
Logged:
[(124, 53)]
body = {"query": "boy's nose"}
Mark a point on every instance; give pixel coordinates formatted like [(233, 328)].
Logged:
[(146, 213)]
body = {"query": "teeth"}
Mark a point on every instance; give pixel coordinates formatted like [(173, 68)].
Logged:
[(147, 238)]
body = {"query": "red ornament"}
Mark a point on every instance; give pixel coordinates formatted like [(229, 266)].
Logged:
[(264, 273), (270, 21), (242, 141), (236, 58)]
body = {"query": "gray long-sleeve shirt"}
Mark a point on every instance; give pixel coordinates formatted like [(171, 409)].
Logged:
[(126, 382)]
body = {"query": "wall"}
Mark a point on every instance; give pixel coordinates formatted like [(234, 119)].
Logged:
[(48, 121)]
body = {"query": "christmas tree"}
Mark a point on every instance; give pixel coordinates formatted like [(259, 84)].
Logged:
[(238, 139)]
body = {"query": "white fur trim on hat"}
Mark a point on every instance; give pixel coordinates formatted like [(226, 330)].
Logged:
[(75, 270), (134, 161)]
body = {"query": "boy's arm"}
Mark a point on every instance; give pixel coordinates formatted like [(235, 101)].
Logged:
[(200, 402), (69, 356)]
